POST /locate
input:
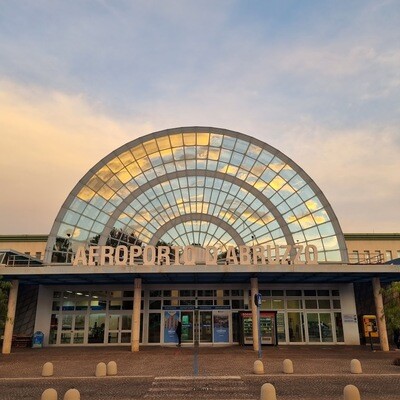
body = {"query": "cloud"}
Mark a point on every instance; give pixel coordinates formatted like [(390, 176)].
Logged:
[(49, 141)]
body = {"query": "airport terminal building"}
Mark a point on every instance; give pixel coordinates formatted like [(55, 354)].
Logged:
[(189, 224)]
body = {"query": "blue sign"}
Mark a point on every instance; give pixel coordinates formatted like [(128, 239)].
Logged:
[(37, 340), (170, 323), (221, 327)]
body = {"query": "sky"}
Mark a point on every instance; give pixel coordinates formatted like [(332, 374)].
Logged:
[(318, 80)]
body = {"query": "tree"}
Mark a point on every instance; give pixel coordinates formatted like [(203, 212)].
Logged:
[(391, 296), (4, 289)]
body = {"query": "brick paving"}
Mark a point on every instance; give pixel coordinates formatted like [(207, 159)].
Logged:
[(320, 372)]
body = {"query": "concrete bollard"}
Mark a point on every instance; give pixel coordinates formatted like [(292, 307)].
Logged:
[(268, 392), (351, 392), (258, 367), (49, 394), (101, 370), (72, 394), (47, 369), (355, 366), (287, 366), (112, 368)]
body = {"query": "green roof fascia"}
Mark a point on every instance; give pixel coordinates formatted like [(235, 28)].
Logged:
[(23, 238), (372, 236)]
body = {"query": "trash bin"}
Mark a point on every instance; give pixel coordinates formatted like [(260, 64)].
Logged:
[(37, 340)]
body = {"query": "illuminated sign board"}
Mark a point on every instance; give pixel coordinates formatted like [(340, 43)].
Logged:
[(192, 255)]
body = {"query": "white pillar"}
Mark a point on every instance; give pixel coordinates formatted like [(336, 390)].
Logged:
[(380, 316), (137, 297), (9, 327), (254, 291)]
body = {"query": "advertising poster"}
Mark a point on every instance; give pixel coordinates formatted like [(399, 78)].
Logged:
[(221, 326), (170, 323)]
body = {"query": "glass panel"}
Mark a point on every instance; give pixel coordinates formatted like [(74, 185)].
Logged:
[(311, 304), (238, 304), (205, 326), (53, 329), (293, 304), (79, 322), (324, 304), (113, 337), (115, 304), (235, 327), (66, 322), (187, 326), (293, 292), (313, 327), (127, 305), (339, 327), (78, 337), (278, 304), (65, 337), (280, 324), (154, 327), (126, 322), (96, 328), (326, 327), (125, 337), (295, 327), (81, 305), (154, 304), (113, 322), (336, 303)]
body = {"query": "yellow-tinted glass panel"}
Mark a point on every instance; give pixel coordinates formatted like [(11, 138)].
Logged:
[(189, 139), (277, 183), (150, 146), (163, 143), (176, 140), (104, 174), (86, 194), (124, 176), (126, 157), (115, 165), (203, 139)]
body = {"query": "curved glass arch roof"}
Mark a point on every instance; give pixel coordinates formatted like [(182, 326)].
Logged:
[(196, 185)]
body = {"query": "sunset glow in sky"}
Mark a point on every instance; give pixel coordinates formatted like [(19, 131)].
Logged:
[(318, 80)]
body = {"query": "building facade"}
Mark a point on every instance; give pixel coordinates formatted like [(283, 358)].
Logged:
[(190, 224)]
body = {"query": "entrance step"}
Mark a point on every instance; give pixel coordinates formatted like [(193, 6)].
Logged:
[(221, 388)]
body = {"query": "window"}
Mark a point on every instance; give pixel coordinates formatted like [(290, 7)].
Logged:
[(389, 255)]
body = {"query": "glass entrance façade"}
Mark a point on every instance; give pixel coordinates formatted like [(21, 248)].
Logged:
[(208, 316)]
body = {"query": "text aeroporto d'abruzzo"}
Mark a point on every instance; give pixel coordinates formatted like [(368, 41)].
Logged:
[(186, 255)]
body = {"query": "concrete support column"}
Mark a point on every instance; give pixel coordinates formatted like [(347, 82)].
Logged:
[(254, 290), (137, 297), (9, 327), (380, 316)]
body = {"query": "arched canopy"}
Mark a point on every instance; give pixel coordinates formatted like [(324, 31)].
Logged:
[(196, 185)]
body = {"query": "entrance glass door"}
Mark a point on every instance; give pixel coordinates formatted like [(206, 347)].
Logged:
[(72, 329), (319, 327), (96, 328), (205, 327), (296, 327), (187, 326)]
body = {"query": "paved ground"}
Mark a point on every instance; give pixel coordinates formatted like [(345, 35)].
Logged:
[(321, 372)]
